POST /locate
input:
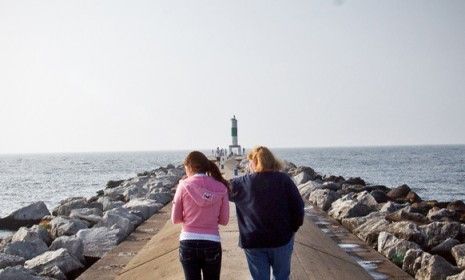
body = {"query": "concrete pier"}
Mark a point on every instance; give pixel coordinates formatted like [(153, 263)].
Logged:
[(323, 250)]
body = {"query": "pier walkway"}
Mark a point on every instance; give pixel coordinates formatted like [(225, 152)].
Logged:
[(323, 250)]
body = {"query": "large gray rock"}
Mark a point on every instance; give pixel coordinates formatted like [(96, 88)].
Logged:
[(89, 215), (435, 268), (437, 232), (445, 249), (26, 216), (398, 192), (66, 226), (42, 233), (353, 223), (394, 248), (60, 258), (303, 177), (123, 213), (408, 231), (412, 261), (26, 249), (438, 214), (323, 198), (73, 244), (109, 204), (53, 272), (18, 273), (407, 214), (160, 197), (65, 207), (370, 230), (353, 205), (10, 260), (112, 220), (308, 187), (458, 252), (25, 234), (98, 241), (134, 191), (390, 207), (147, 207)]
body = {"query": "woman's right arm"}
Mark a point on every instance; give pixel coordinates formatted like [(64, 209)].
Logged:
[(177, 209)]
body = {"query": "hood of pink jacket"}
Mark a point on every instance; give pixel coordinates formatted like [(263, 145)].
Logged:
[(204, 190)]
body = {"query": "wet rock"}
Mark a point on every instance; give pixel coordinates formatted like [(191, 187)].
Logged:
[(147, 207), (412, 197), (73, 244), (412, 261), (26, 216), (444, 249), (458, 252), (98, 241), (114, 183), (66, 226), (437, 232), (18, 273), (10, 260), (435, 267), (323, 198), (398, 192), (408, 231), (308, 187), (26, 249), (394, 248), (379, 196), (60, 258), (355, 181)]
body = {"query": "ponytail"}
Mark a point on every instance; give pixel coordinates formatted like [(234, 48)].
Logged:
[(214, 171)]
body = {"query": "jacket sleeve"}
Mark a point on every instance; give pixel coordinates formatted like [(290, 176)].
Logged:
[(296, 206), (177, 209), (232, 193), (224, 211)]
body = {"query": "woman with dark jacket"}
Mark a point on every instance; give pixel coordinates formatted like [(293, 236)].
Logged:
[(269, 212)]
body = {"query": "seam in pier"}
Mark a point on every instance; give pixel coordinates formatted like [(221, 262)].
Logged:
[(147, 261)]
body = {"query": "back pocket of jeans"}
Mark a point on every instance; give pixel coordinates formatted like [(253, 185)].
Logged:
[(213, 255), (186, 254)]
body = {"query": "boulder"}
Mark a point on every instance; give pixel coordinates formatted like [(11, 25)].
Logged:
[(60, 258), (26, 249), (458, 252), (25, 234), (456, 206), (72, 244), (353, 205), (160, 197), (109, 204), (460, 276), (412, 197), (98, 241), (308, 187), (302, 178), (352, 223), (406, 214), (65, 207), (408, 231), (10, 260), (444, 249), (379, 196), (438, 214), (398, 192), (114, 183), (323, 198), (355, 181), (370, 230), (66, 226), (412, 261), (394, 248), (112, 220), (437, 232), (331, 186), (26, 216), (123, 213), (147, 207), (54, 272), (435, 267), (134, 191), (89, 215), (333, 178), (42, 232), (390, 207), (18, 273)]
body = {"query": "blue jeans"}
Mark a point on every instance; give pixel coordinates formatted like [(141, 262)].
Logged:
[(279, 259), (200, 257)]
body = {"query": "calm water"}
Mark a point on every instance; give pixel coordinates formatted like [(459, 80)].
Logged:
[(433, 171)]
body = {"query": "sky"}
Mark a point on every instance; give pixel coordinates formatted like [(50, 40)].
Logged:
[(112, 75)]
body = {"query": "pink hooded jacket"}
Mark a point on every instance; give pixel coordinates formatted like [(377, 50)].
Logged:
[(200, 203)]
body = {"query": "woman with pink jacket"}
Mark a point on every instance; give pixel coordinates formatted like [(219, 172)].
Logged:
[(200, 204)]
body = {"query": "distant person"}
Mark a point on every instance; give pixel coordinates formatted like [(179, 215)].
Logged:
[(270, 210), (200, 204)]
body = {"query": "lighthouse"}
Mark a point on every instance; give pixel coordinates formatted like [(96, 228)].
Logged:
[(234, 148)]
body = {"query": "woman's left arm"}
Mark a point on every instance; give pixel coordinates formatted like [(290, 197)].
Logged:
[(223, 219), (177, 210)]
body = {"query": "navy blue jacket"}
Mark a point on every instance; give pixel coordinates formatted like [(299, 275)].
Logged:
[(269, 209)]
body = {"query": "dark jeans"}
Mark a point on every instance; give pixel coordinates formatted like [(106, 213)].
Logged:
[(200, 256)]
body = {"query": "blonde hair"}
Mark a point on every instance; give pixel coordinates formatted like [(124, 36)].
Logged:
[(264, 160)]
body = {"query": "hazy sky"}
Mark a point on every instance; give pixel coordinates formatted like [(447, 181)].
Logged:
[(89, 75)]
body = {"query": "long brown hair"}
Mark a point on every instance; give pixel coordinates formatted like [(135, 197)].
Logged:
[(199, 163)]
